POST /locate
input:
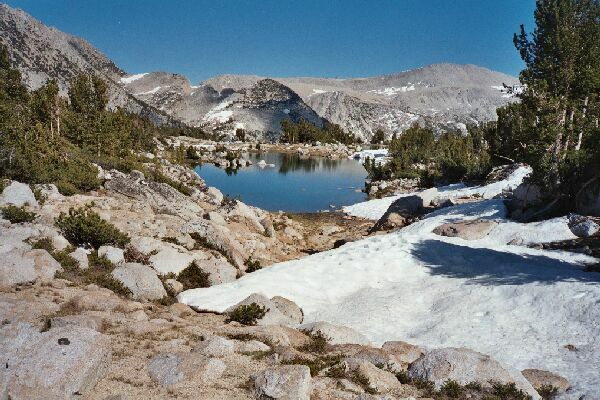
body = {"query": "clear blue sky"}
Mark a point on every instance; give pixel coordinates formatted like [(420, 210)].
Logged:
[(329, 38)]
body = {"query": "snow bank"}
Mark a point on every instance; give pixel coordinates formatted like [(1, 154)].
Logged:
[(374, 209), (131, 78), (378, 155), (518, 304)]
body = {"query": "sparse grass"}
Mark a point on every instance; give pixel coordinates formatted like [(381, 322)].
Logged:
[(548, 392), (17, 215), (98, 273), (337, 371), (257, 355), (452, 389), (83, 227), (508, 391), (133, 255), (364, 382), (193, 277), (159, 177), (318, 342), (316, 365), (247, 314)]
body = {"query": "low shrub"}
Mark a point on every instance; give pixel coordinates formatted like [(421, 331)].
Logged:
[(247, 314), (252, 265), (452, 389), (318, 342), (193, 277), (363, 381), (548, 392), (17, 215), (159, 177), (43, 244), (317, 364), (508, 391), (85, 228)]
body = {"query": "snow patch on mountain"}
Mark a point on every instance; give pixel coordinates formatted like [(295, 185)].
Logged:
[(132, 78), (152, 91), (393, 91)]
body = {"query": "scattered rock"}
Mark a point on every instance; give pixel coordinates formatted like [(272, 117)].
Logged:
[(216, 195), (250, 346), (582, 227), (289, 309), (45, 266), (268, 227), (405, 352), (174, 286), (215, 346), (15, 268), (112, 254), (285, 382), (218, 270), (141, 280), (18, 194), (219, 238), (465, 366), (337, 334), (539, 378), (273, 316), (60, 363), (170, 260), (171, 368), (81, 256), (400, 213), (467, 230), (379, 380)]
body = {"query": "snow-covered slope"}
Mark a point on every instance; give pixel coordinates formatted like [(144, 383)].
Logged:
[(518, 304)]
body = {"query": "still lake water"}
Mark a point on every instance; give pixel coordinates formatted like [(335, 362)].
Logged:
[(294, 184)]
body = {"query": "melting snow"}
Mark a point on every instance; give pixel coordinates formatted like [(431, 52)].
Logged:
[(392, 91), (378, 155), (156, 89), (518, 304), (218, 113), (127, 80)]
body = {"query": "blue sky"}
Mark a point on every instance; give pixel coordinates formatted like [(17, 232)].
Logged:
[(329, 38)]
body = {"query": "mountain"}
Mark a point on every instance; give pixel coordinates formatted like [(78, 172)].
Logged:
[(443, 96), (41, 53)]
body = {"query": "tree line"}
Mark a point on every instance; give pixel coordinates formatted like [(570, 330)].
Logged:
[(47, 138)]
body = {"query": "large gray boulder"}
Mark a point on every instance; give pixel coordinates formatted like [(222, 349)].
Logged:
[(217, 237), (337, 334), (215, 346), (170, 369), (112, 254), (141, 280), (18, 194), (587, 200), (540, 379), (285, 382), (278, 312), (59, 364), (404, 210), (218, 270), (402, 351), (582, 227), (467, 230), (379, 380), (465, 366), (15, 269)]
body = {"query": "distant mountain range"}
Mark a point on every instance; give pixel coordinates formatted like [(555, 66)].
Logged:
[(444, 96)]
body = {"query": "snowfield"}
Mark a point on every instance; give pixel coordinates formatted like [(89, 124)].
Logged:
[(378, 155), (127, 80), (374, 209), (518, 304)]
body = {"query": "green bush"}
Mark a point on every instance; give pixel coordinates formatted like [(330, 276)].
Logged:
[(193, 277), (252, 265), (43, 244), (452, 389), (85, 228), (159, 177), (508, 391), (17, 215), (318, 342), (247, 314)]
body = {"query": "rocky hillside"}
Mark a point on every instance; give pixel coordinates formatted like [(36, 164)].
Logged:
[(41, 53), (444, 96)]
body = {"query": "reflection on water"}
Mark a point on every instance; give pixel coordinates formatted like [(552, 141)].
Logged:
[(295, 183)]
